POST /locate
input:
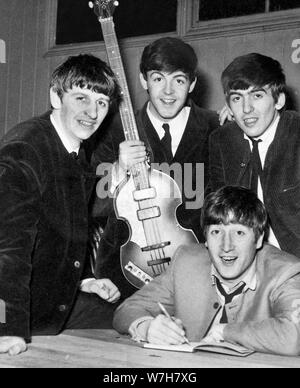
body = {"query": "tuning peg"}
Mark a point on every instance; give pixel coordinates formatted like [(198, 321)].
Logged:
[(91, 4)]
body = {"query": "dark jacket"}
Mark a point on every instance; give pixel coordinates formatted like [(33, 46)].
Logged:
[(43, 228), (192, 150), (230, 165)]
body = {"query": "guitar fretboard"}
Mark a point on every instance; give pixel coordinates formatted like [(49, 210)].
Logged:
[(115, 61), (139, 171)]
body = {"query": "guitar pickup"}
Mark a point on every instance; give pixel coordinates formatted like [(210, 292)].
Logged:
[(148, 213), (152, 263), (143, 195), (156, 246)]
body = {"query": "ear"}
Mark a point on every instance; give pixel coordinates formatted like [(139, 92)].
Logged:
[(55, 99), (192, 86), (206, 244), (260, 241), (281, 101), (143, 82)]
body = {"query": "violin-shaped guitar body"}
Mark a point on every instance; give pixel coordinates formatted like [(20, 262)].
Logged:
[(155, 233), (148, 201)]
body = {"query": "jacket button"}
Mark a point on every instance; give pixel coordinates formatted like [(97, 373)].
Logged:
[(77, 264), (216, 305), (62, 308)]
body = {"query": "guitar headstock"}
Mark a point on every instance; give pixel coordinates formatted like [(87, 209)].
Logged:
[(104, 8)]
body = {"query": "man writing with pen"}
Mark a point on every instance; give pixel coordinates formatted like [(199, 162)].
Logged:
[(235, 288)]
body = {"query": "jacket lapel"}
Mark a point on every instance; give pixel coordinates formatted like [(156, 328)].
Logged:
[(237, 150), (149, 135), (193, 138)]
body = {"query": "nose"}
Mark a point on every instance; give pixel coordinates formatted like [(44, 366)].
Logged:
[(168, 87), (227, 242), (92, 111), (247, 105)]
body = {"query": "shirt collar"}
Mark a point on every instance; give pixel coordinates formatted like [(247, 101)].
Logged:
[(177, 125), (250, 279), (267, 137), (64, 139)]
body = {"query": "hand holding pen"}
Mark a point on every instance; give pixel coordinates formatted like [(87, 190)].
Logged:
[(165, 312)]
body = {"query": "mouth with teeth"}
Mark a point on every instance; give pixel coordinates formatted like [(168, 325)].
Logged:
[(86, 124), (228, 260), (168, 101), (250, 122)]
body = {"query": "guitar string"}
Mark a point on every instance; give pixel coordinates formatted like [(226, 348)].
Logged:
[(135, 171), (155, 238), (153, 235), (150, 227), (117, 68)]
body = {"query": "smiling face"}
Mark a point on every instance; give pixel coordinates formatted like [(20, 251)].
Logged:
[(232, 249), (167, 92), (255, 109), (79, 112)]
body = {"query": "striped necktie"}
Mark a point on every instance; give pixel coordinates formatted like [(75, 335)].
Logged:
[(228, 298)]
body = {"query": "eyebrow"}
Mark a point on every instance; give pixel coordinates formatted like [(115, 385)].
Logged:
[(104, 97), (233, 92), (163, 74)]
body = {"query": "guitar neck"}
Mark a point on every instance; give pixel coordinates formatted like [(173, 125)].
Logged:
[(115, 61)]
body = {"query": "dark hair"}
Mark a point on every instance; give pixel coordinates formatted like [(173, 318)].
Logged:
[(233, 204), (85, 71), (254, 70), (169, 55)]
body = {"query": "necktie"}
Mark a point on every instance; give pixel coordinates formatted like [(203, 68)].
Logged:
[(74, 155), (166, 142), (80, 157), (228, 298), (256, 166)]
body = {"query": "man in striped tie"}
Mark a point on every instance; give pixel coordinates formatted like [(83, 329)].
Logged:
[(235, 289)]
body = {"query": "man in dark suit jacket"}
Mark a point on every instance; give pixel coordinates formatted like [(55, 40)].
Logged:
[(45, 183), (236, 289), (254, 87), (168, 73)]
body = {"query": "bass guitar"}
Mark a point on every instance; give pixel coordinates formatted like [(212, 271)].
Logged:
[(148, 200)]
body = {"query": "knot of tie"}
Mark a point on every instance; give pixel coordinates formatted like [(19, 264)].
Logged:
[(166, 142), (74, 155), (228, 297)]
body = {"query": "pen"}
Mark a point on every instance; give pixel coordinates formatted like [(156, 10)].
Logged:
[(165, 312)]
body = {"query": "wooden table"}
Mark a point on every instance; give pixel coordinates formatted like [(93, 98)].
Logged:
[(108, 349)]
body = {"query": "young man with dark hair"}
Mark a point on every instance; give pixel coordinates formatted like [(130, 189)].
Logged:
[(237, 289), (261, 149), (168, 72), (45, 183)]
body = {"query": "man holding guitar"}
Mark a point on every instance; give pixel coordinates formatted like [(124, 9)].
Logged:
[(172, 130)]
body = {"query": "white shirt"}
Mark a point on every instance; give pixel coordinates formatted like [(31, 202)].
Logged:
[(177, 126), (263, 146)]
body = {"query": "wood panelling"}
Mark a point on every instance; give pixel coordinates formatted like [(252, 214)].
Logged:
[(24, 79)]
